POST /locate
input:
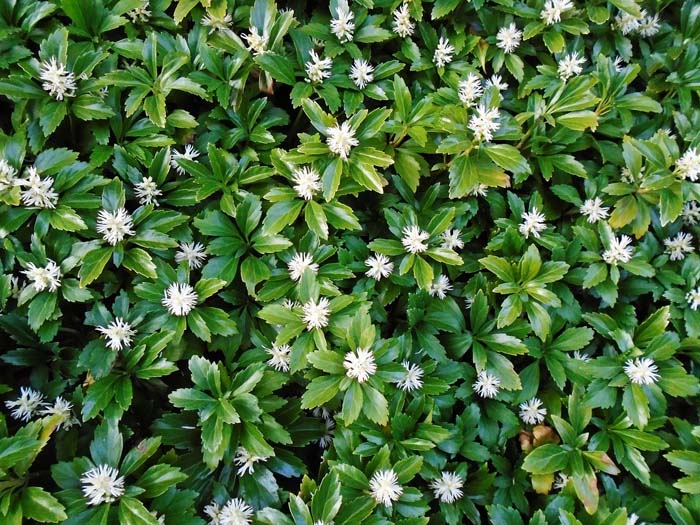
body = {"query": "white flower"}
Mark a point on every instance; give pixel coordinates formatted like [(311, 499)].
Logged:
[(440, 287), (413, 379), (470, 89), (632, 519), (307, 181), (342, 25), (533, 223), (341, 139), (326, 439), (594, 210), (317, 69), (102, 484), (414, 239), (531, 413), (693, 298), (486, 385), (14, 287), (279, 357), (216, 23), (484, 123), (7, 176), (688, 166), (629, 23), (448, 488), (497, 82), (26, 405), (316, 313), (649, 26), (58, 81), (579, 356), (39, 192), (509, 38), (618, 64), (361, 72), (44, 277), (384, 487), (570, 66), (553, 9), (179, 299), (290, 304), (213, 510), (118, 334), (402, 21), (114, 226), (379, 266), (63, 409), (147, 191), (360, 364), (257, 43), (323, 413), (190, 153), (679, 245), (480, 190), (443, 52), (299, 264), (193, 253), (691, 213), (562, 481), (140, 14), (246, 461), (642, 371), (235, 512), (451, 240), (620, 250)]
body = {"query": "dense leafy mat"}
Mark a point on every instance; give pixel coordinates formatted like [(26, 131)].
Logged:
[(370, 263)]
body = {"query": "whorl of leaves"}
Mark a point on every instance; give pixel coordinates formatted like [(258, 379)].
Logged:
[(367, 262)]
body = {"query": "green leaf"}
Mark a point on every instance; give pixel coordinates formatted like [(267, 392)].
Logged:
[(93, 264), (636, 404), (320, 391), (41, 308), (159, 478), (39, 505), (352, 402), (132, 512), (546, 459), (279, 67), (498, 266), (91, 107), (139, 261), (423, 273), (442, 8), (572, 339), (375, 405), (14, 449), (579, 120), (326, 501), (316, 219), (299, 511), (507, 157), (253, 271), (64, 218)]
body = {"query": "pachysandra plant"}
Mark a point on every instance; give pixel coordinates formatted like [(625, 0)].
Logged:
[(357, 262)]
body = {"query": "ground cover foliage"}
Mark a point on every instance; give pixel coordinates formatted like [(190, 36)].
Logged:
[(349, 263)]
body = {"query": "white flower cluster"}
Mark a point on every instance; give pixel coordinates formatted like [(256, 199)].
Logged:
[(58, 80), (30, 403), (342, 25), (36, 191), (644, 24), (553, 9)]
